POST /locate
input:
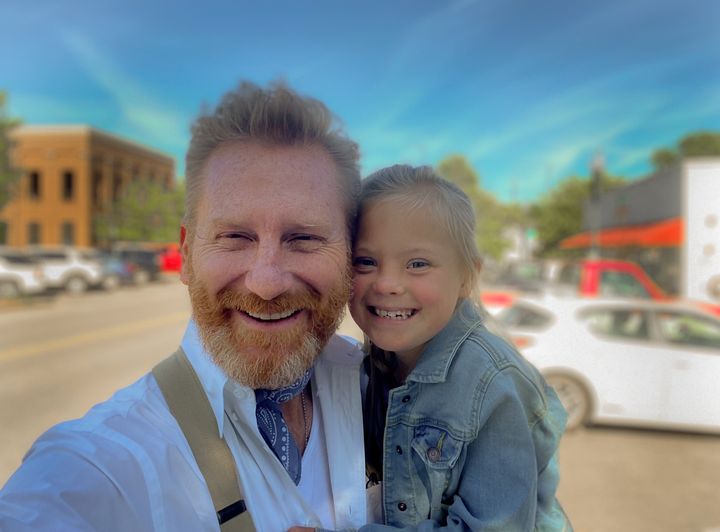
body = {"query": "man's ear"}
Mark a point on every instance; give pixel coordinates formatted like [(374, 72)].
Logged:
[(185, 251)]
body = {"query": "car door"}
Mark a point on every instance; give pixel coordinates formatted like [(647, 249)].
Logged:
[(692, 341), (630, 373)]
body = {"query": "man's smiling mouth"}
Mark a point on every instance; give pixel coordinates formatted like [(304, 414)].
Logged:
[(277, 316), (393, 314)]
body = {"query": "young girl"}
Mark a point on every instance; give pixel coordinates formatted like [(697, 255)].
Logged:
[(460, 429)]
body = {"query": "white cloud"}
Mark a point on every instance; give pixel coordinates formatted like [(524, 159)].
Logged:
[(144, 114)]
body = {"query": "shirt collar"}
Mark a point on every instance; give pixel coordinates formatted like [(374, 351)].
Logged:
[(438, 354), (212, 378)]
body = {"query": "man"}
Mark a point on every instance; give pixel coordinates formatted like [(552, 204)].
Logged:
[(271, 199)]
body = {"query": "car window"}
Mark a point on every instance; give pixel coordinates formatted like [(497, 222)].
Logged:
[(50, 255), (618, 323), (18, 259), (569, 274), (522, 316), (621, 284), (688, 329)]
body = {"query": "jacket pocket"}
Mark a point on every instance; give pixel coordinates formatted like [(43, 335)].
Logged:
[(436, 454), (437, 448)]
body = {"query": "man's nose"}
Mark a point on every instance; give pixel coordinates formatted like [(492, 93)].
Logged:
[(267, 277)]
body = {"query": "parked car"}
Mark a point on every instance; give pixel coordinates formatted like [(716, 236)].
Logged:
[(115, 270), (145, 263), (586, 278), (624, 362), (71, 269), (171, 259), (20, 274)]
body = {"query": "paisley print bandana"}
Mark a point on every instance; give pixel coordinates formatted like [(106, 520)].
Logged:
[(273, 428)]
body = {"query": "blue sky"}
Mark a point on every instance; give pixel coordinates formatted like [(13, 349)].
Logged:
[(528, 90)]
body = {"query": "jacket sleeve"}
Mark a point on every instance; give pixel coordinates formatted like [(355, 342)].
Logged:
[(510, 472)]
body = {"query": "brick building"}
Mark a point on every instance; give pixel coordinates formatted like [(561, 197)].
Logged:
[(69, 174)]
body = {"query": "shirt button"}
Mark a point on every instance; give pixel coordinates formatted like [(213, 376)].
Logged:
[(406, 399), (398, 449), (402, 506), (433, 454)]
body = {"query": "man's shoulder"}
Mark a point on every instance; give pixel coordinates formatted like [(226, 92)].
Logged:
[(342, 351), (132, 414)]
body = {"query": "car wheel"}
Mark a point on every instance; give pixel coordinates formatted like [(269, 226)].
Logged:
[(76, 285), (141, 277), (111, 282), (573, 396), (8, 289)]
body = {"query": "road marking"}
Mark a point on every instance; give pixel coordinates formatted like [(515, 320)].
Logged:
[(37, 348)]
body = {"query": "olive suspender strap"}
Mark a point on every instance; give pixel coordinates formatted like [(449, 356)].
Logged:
[(190, 406)]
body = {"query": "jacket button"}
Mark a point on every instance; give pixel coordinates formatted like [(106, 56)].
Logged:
[(433, 454), (402, 506), (398, 449), (406, 399)]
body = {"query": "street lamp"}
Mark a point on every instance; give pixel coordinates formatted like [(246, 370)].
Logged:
[(597, 168)]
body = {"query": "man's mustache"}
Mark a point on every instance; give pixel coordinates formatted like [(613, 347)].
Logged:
[(250, 303)]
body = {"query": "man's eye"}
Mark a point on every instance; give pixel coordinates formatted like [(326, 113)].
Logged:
[(363, 264), (304, 242), (234, 240)]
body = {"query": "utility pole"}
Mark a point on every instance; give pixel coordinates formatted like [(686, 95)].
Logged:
[(597, 168)]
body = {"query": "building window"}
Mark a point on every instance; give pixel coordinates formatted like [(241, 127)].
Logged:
[(34, 185), (33, 233), (68, 185), (68, 234), (3, 232), (96, 183)]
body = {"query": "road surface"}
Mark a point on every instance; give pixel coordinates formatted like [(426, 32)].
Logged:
[(59, 358)]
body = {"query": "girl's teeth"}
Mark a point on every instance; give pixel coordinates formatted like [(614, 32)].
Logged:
[(394, 314)]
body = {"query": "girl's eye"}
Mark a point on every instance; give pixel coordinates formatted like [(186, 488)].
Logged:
[(416, 264), (363, 264)]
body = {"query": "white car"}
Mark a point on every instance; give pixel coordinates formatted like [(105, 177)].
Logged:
[(20, 274), (68, 268), (624, 362)]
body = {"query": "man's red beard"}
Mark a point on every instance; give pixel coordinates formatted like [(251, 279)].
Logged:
[(260, 359)]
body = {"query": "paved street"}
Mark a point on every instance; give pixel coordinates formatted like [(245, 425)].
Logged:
[(60, 357)]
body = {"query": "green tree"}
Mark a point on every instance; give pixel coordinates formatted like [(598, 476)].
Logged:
[(145, 212), (559, 213), (491, 215), (697, 144), (9, 175)]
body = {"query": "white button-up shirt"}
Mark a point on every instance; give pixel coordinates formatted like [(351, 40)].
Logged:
[(126, 465)]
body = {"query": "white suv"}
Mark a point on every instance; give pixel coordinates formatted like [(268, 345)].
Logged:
[(70, 268), (20, 274)]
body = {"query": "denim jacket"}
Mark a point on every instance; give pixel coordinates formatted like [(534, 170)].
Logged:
[(471, 438)]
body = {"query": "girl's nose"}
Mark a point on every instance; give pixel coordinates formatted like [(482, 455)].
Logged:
[(389, 285)]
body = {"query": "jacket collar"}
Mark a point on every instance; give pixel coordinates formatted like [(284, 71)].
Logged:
[(435, 360)]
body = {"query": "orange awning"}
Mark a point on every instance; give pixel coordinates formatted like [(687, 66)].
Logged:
[(660, 234)]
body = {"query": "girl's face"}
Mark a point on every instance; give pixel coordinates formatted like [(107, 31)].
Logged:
[(408, 278)]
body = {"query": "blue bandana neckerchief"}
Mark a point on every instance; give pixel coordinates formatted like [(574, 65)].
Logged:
[(273, 428)]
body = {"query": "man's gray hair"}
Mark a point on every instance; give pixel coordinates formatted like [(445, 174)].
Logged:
[(275, 115)]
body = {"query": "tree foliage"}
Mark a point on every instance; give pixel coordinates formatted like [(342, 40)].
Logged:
[(697, 144), (559, 213), (491, 215), (145, 212), (9, 175)]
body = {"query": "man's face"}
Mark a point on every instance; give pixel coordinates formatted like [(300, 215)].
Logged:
[(267, 261)]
